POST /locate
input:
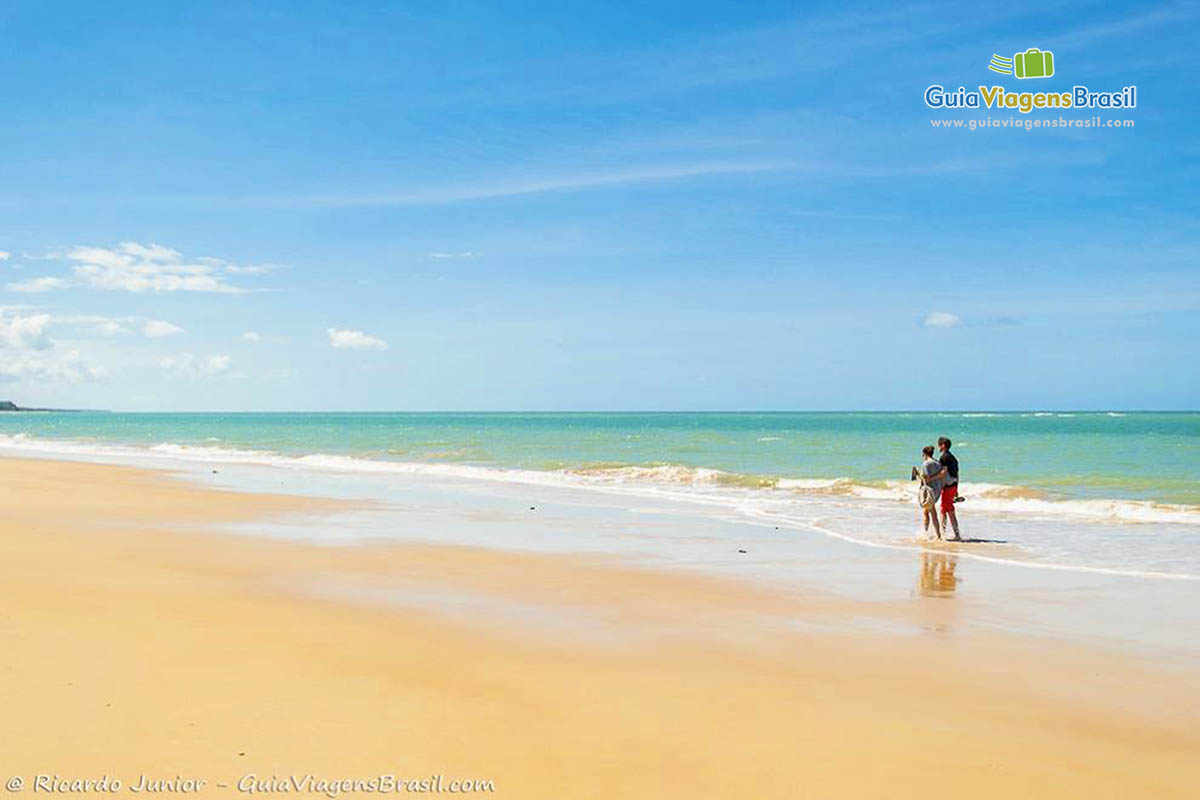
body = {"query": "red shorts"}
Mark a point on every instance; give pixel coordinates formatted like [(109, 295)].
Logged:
[(948, 495)]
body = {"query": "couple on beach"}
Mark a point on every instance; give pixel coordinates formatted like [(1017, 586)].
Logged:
[(939, 482)]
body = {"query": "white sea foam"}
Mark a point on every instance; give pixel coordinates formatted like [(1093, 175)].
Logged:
[(703, 484), (813, 484), (797, 503)]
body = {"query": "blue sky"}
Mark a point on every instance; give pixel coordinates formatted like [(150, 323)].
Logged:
[(590, 206)]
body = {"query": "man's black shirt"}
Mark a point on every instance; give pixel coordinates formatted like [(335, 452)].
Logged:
[(948, 461)]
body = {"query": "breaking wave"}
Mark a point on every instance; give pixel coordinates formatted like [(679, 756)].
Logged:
[(699, 483)]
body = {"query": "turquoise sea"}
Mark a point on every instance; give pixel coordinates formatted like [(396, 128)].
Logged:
[(1111, 489), (1143, 456)]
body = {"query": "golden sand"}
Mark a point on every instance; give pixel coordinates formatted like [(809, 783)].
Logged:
[(139, 642)]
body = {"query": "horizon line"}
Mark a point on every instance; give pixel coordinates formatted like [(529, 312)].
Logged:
[(1034, 410)]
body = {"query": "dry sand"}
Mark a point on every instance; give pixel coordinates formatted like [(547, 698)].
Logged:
[(137, 640)]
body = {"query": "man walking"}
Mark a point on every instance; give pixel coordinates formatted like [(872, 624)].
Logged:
[(949, 487)]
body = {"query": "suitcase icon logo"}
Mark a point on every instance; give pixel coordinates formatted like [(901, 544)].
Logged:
[(1033, 63)]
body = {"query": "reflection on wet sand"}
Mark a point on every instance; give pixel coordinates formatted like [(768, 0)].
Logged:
[(937, 574)]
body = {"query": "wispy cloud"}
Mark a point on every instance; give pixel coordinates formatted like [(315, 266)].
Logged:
[(45, 283), (1125, 27), (157, 329), (830, 166), (528, 186), (815, 43), (250, 269), (55, 366), (110, 327), (141, 268), (190, 365), (115, 326)]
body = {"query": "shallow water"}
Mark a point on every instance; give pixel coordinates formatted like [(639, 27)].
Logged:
[(1100, 492)]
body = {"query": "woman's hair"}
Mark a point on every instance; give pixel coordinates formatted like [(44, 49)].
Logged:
[(927, 450)]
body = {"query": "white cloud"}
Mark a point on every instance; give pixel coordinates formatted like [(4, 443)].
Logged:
[(24, 332), (117, 326), (141, 268), (196, 366), (5, 255), (48, 366), (157, 328), (216, 365), (941, 319), (356, 340), (134, 267), (251, 269), (251, 336), (110, 327), (464, 254), (30, 353), (46, 283)]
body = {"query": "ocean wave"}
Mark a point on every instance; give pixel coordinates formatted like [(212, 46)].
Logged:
[(696, 484)]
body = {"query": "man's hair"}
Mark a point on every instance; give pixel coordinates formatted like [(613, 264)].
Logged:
[(945, 441), (927, 450)]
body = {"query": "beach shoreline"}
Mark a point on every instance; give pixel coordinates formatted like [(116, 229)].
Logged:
[(143, 640), (1047, 490)]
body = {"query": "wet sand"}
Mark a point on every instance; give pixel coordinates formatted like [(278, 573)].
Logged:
[(138, 639)]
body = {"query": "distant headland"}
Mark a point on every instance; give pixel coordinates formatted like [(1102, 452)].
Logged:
[(9, 405)]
